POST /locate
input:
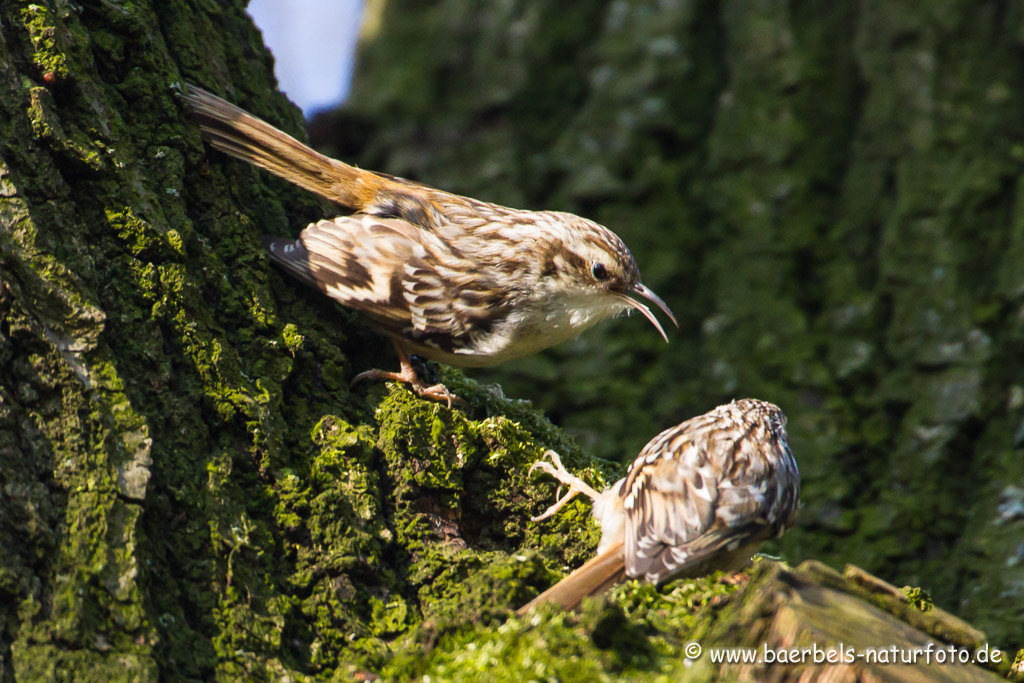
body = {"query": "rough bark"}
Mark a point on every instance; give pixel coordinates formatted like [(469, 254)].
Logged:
[(829, 196), (188, 487)]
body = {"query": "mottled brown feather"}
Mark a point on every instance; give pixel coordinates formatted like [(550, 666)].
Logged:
[(451, 278), (700, 496), (748, 490)]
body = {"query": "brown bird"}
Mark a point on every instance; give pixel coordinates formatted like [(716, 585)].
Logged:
[(449, 278), (701, 496)]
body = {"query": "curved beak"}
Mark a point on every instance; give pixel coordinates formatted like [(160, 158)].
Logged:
[(640, 290)]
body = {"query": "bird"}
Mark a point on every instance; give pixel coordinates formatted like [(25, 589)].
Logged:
[(701, 496), (444, 277)]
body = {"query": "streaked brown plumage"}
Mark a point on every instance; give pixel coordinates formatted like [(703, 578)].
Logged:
[(701, 496), (446, 277)]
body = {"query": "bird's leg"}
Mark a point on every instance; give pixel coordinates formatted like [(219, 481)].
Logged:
[(407, 374), (558, 471)]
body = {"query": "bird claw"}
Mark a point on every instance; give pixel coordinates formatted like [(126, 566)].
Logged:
[(541, 465), (437, 392), (557, 470)]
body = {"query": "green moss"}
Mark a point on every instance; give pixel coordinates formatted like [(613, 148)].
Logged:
[(635, 632), (292, 338), (140, 238), (43, 30), (918, 597), (51, 663), (512, 651), (71, 142)]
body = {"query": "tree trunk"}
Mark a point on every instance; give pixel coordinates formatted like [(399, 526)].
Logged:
[(188, 487)]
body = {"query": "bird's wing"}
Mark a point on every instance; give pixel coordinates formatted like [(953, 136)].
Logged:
[(403, 278), (666, 507), (682, 507)]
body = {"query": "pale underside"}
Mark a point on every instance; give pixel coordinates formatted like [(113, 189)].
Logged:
[(453, 302)]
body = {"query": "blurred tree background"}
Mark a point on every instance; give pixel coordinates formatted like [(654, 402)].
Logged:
[(827, 194)]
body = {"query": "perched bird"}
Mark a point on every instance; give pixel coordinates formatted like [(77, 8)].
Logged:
[(448, 278), (701, 496)]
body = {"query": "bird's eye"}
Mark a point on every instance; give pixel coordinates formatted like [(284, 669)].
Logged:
[(599, 271)]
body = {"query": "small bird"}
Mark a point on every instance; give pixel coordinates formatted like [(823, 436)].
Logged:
[(445, 277), (701, 496)]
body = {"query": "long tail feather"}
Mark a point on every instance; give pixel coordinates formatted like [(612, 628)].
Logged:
[(240, 134), (593, 578)]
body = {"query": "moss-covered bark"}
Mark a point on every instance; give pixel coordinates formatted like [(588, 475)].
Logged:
[(188, 487), (828, 195), (799, 615)]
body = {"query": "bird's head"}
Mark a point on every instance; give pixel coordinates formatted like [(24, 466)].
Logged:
[(596, 273)]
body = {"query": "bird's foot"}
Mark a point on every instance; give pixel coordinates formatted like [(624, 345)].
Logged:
[(437, 392), (736, 578), (557, 470)]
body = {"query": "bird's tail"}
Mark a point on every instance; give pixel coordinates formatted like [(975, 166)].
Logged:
[(593, 578), (236, 132)]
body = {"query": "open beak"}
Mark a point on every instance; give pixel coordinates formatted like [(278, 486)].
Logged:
[(640, 290)]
